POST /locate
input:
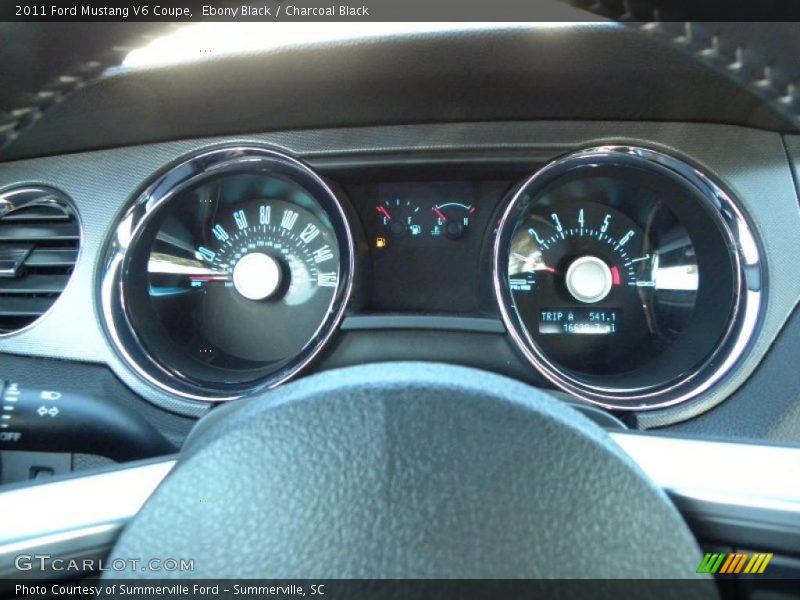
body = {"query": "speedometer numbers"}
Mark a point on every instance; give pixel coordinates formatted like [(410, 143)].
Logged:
[(260, 258), (237, 274), (267, 250)]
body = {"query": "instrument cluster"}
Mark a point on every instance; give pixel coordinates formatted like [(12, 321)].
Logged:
[(623, 275)]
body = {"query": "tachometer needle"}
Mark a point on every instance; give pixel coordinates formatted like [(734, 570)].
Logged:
[(532, 263)]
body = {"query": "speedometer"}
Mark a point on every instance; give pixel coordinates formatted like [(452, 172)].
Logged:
[(228, 274), (628, 278), (266, 269)]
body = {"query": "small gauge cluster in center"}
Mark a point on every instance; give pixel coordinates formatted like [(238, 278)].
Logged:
[(419, 212), (427, 241)]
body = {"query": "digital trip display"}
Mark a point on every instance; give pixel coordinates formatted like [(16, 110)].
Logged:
[(579, 321)]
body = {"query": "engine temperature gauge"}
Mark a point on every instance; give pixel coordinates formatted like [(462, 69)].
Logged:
[(452, 219)]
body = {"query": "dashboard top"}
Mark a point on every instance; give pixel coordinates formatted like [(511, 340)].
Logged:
[(219, 96)]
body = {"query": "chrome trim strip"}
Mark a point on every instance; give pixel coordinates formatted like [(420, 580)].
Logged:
[(746, 475), (74, 517), (85, 515), (749, 274), (738, 495)]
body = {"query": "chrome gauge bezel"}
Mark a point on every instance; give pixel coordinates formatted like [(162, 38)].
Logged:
[(742, 244), (130, 229)]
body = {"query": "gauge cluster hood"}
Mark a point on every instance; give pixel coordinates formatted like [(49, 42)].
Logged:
[(534, 73)]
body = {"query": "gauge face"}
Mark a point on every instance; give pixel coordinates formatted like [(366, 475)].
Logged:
[(261, 269), (618, 278), (400, 217), (452, 219), (436, 265), (235, 279), (589, 285), (423, 212)]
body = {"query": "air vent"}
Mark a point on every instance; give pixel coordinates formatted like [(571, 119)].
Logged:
[(39, 243)]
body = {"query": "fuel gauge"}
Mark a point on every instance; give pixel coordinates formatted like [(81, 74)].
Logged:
[(452, 219), (399, 217)]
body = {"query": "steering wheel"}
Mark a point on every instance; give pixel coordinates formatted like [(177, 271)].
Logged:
[(408, 470)]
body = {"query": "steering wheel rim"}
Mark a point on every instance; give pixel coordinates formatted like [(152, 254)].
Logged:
[(408, 470)]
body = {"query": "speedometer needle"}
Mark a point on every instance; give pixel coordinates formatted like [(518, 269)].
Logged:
[(209, 277)]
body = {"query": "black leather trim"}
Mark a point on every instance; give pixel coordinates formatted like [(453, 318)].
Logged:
[(767, 407)]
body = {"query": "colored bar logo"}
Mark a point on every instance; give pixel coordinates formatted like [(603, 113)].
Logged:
[(731, 563)]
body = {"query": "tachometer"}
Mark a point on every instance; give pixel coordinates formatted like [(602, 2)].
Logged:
[(582, 268), (622, 275)]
